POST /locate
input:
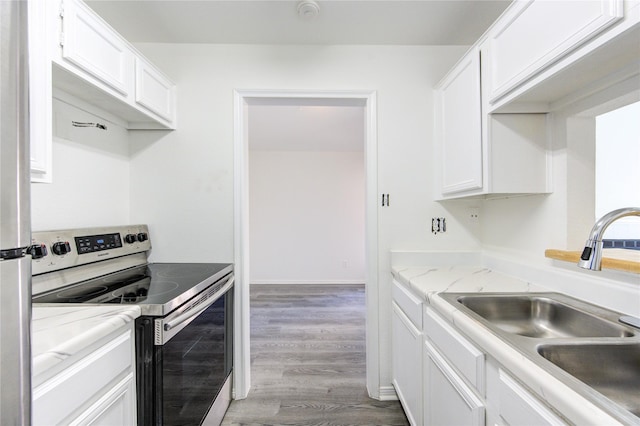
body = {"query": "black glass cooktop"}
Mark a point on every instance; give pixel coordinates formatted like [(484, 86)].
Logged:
[(157, 287)]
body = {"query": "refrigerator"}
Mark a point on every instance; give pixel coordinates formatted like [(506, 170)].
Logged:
[(15, 217)]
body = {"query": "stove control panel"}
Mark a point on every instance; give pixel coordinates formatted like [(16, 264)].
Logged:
[(93, 243), (54, 250)]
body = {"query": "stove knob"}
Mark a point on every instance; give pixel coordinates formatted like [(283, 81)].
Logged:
[(130, 238), (37, 251), (142, 237), (61, 248)]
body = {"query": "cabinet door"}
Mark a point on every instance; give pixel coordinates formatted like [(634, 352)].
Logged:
[(407, 364), (40, 131), (538, 33), (458, 127), (153, 91), (90, 44), (448, 401)]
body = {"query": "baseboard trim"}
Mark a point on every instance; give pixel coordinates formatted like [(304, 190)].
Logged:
[(307, 282), (388, 393)]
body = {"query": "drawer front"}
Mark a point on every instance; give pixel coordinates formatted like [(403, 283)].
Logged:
[(462, 355), (539, 33), (61, 396), (519, 407), (408, 303), (95, 48), (117, 407)]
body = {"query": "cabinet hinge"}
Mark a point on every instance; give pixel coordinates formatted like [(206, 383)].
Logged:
[(61, 13)]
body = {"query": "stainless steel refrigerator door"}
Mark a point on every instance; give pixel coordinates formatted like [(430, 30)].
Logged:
[(15, 215), (15, 330)]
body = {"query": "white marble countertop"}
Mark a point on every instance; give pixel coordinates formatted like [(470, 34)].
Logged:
[(59, 332), (428, 282)]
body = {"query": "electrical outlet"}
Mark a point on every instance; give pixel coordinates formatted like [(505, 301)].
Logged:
[(438, 224), (345, 264), (473, 215)]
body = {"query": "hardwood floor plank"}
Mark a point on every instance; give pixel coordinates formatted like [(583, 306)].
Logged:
[(308, 360)]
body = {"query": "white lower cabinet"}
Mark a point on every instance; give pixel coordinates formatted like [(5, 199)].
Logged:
[(407, 340), (448, 400), (96, 387), (513, 404), (454, 375), (407, 372)]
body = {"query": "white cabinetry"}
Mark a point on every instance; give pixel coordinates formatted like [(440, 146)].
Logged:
[(458, 113), (40, 132), (454, 375), (485, 154), (449, 401), (534, 34), (72, 49), (95, 64), (96, 387), (407, 341), (94, 48), (518, 407)]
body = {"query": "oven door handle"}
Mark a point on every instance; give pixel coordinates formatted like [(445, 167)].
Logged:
[(197, 311)]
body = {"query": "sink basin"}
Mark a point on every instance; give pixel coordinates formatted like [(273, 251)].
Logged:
[(540, 317), (612, 370), (581, 344)]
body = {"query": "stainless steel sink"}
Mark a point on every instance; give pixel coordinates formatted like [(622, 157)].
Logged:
[(540, 317), (582, 345), (612, 370)]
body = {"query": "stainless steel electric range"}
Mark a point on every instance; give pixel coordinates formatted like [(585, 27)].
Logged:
[(184, 336)]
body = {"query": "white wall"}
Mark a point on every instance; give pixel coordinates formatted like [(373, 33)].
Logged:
[(307, 217), (182, 181), (90, 174)]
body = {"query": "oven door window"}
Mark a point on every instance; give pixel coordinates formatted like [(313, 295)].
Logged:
[(194, 365)]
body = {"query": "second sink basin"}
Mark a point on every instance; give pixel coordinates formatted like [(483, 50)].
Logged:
[(539, 316), (612, 370)]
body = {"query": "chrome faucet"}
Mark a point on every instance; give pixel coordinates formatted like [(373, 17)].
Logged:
[(591, 257)]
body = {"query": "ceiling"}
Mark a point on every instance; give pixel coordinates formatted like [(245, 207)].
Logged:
[(395, 22), (295, 126)]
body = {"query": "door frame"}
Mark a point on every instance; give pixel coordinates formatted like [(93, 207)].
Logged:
[(241, 341)]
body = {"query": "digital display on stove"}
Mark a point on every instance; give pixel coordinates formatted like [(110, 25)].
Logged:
[(93, 243)]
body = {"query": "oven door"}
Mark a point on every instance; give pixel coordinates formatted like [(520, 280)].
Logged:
[(193, 357)]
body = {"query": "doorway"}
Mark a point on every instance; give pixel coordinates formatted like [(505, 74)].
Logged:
[(243, 100)]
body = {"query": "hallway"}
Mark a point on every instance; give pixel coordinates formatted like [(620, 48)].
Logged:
[(308, 360)]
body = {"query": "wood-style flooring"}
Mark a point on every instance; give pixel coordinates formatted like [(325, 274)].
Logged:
[(308, 360)]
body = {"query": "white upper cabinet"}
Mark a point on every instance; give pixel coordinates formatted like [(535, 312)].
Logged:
[(535, 34), (40, 131), (541, 54), (92, 46), (480, 154), (72, 49), (458, 128), (153, 91), (95, 64)]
